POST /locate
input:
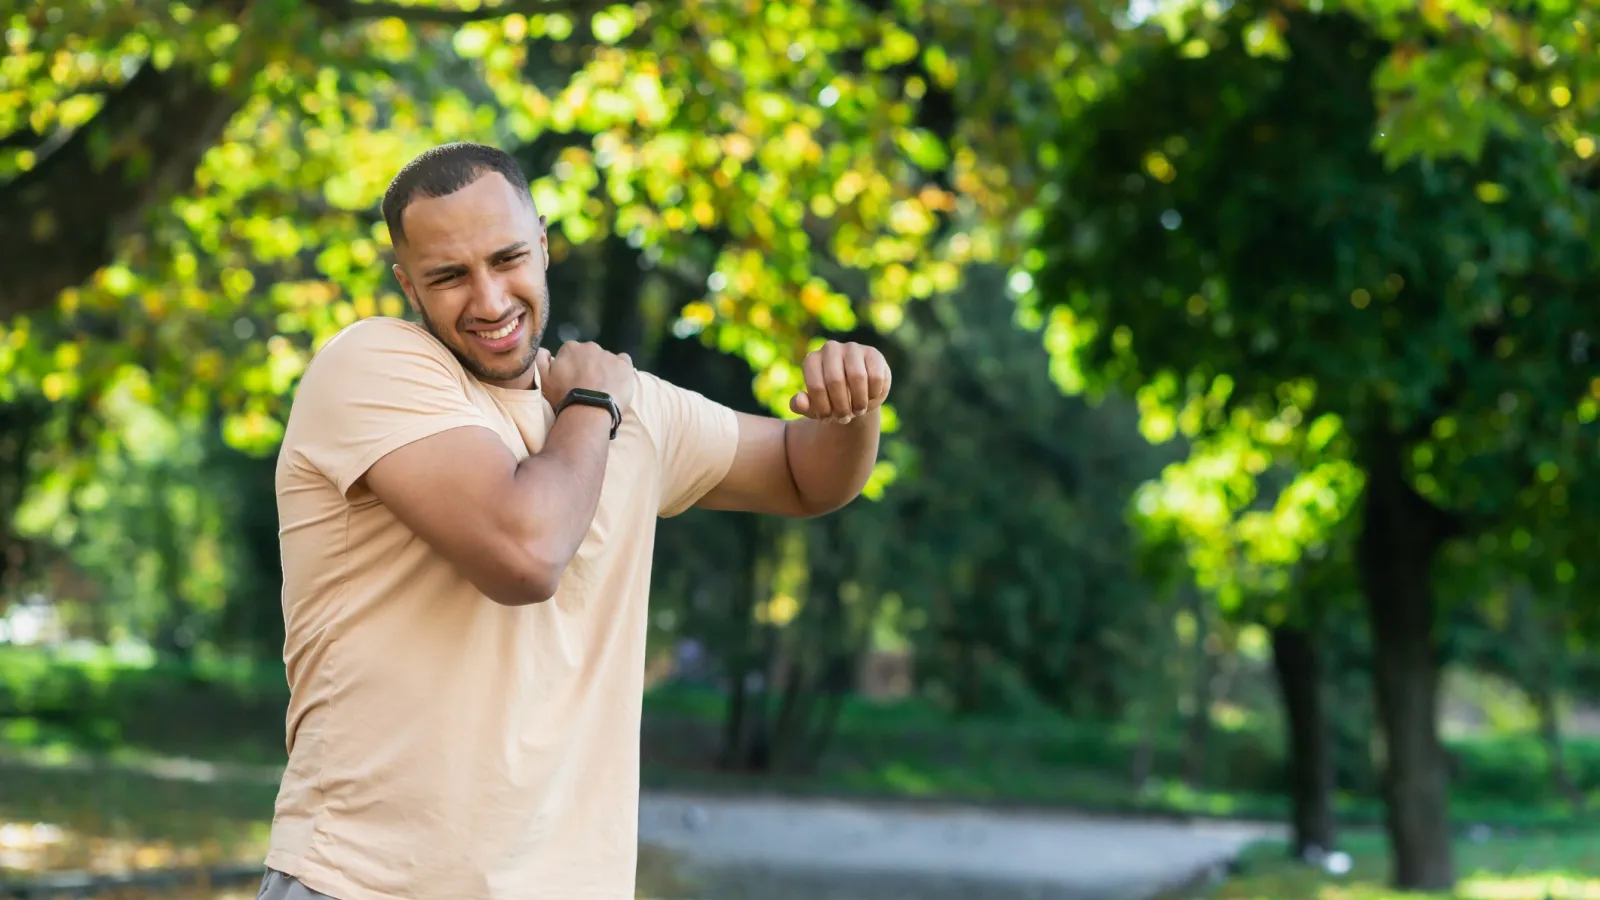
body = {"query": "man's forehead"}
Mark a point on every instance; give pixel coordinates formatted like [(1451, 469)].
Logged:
[(489, 204)]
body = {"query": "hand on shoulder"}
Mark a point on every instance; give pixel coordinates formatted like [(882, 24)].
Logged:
[(586, 365)]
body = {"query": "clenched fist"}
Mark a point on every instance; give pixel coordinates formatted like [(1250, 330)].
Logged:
[(587, 365), (842, 381)]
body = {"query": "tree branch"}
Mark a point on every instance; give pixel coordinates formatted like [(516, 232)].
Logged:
[(352, 10), (65, 216), (23, 138), (27, 138)]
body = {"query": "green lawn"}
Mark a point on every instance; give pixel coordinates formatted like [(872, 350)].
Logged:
[(109, 819), (112, 819), (233, 711), (913, 750), (1543, 867)]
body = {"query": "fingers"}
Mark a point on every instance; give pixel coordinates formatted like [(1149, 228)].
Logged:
[(842, 381), (878, 378), (855, 377), (833, 377), (541, 363), (818, 405)]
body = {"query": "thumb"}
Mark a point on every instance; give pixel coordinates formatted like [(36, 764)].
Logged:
[(541, 362), (800, 403)]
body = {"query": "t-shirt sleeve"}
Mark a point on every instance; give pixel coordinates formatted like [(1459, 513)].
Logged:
[(374, 388), (696, 439)]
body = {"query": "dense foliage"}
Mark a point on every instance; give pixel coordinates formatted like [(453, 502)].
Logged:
[(1321, 269)]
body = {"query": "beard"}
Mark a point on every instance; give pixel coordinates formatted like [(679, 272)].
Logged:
[(498, 371)]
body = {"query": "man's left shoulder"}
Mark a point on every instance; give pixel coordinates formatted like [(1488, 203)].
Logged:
[(666, 407), (651, 397)]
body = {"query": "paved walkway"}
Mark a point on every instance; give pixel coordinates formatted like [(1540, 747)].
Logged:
[(773, 848), (760, 847)]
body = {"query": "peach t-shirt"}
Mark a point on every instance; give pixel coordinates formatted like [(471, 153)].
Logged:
[(442, 746)]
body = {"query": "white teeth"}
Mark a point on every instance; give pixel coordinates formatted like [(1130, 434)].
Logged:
[(499, 333)]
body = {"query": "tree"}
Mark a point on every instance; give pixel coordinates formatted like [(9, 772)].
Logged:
[(1226, 230), (1014, 547), (191, 188), (205, 174), (1254, 517), (1015, 589)]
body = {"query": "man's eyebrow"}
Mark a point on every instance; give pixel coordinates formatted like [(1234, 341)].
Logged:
[(446, 269), (509, 249), (458, 268)]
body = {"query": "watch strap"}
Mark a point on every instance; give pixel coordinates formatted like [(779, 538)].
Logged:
[(585, 397)]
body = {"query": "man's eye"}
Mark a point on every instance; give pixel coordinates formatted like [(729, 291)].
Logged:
[(513, 258)]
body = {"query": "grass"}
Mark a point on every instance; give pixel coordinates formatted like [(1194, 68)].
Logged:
[(1533, 867), (106, 819), (913, 750), (100, 818), (110, 819), (92, 700)]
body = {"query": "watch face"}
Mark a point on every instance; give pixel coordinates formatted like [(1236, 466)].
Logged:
[(592, 395)]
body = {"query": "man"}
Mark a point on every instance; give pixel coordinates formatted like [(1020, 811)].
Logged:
[(467, 524)]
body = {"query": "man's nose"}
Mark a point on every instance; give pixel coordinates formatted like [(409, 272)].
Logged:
[(489, 302)]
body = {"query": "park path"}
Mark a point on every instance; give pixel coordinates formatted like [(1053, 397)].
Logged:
[(783, 848), (777, 848)]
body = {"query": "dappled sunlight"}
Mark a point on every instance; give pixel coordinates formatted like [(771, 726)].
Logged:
[(1528, 868), (1531, 887), (1177, 795), (34, 847), (30, 846), (110, 820), (909, 780), (1278, 313)]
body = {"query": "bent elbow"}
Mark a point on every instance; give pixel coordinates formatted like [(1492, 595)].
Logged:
[(810, 508), (530, 582)]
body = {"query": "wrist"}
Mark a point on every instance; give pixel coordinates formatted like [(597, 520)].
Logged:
[(602, 406)]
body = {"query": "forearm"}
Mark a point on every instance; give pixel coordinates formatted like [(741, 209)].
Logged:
[(830, 463), (558, 489)]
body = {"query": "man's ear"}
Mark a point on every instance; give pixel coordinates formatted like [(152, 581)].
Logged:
[(544, 241), (406, 287)]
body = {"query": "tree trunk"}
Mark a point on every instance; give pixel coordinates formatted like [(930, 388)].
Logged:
[(1142, 763), (836, 683), (733, 729), (621, 324), (1198, 734), (1401, 534), (745, 729), (794, 709), (747, 735), (65, 217), (1311, 779), (1544, 705)]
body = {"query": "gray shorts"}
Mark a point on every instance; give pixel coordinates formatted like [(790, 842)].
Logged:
[(278, 886)]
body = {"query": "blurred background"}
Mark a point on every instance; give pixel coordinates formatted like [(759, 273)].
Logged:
[(1234, 534)]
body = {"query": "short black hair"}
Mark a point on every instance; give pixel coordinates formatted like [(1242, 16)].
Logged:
[(442, 171)]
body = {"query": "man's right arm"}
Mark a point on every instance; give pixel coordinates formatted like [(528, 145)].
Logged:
[(511, 527), (383, 406)]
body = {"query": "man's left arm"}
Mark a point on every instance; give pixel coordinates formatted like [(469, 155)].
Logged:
[(820, 462)]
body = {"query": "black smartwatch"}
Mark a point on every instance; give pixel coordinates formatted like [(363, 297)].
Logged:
[(587, 397)]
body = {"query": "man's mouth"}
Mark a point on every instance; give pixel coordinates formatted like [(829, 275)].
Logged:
[(503, 331), (502, 338)]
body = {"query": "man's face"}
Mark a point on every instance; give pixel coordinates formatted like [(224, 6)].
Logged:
[(473, 265)]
